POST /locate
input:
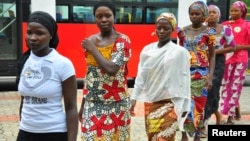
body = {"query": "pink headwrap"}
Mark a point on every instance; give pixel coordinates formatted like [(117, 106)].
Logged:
[(202, 6), (242, 6)]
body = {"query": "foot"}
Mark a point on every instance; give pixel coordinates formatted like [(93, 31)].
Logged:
[(237, 113), (196, 138), (203, 133), (229, 121), (184, 136), (237, 117)]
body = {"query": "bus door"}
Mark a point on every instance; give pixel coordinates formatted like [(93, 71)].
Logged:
[(10, 36)]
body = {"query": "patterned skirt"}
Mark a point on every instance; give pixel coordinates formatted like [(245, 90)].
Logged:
[(195, 119), (106, 121), (160, 121), (232, 85)]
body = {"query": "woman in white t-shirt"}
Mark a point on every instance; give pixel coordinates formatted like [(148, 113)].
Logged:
[(45, 78)]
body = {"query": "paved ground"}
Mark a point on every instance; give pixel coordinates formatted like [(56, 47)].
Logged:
[(9, 105)]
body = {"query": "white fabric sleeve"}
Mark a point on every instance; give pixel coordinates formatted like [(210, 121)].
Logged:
[(67, 69)]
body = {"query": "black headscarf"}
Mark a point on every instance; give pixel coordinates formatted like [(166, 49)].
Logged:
[(47, 21), (108, 4)]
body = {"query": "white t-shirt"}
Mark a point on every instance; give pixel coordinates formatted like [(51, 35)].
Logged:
[(41, 85)]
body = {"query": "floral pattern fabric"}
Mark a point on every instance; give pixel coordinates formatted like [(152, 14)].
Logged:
[(225, 37), (106, 114), (160, 120), (198, 47)]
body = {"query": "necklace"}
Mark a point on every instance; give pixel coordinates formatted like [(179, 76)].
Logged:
[(196, 29)]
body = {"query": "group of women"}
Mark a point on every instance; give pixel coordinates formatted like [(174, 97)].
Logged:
[(207, 52), (218, 64)]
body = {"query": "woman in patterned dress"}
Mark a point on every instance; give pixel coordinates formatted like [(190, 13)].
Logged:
[(199, 40), (104, 113), (236, 64), (224, 44)]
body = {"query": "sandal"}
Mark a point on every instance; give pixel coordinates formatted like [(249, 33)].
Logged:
[(230, 122), (237, 117), (203, 135)]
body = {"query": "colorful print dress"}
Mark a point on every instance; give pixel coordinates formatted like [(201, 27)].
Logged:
[(106, 114), (225, 37), (235, 69), (198, 47)]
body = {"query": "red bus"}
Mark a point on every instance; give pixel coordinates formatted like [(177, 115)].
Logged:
[(75, 22)]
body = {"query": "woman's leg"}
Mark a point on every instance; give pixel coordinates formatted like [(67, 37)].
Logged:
[(197, 135), (237, 113), (184, 136), (218, 117), (237, 80), (227, 90), (195, 119), (230, 120)]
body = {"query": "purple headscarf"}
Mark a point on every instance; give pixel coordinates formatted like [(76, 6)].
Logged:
[(202, 6), (242, 6), (217, 10)]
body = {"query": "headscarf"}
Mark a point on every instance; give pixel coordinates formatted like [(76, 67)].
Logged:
[(202, 6), (108, 4), (169, 17), (242, 6), (217, 10), (48, 22)]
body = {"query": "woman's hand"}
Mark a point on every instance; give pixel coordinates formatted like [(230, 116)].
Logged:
[(132, 107), (183, 114), (80, 115), (209, 83), (81, 110), (87, 44)]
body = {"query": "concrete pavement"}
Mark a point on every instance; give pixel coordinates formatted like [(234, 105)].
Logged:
[(9, 119)]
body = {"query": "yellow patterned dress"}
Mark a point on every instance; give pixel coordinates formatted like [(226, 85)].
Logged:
[(106, 114)]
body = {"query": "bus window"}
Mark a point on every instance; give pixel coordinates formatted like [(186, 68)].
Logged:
[(152, 13), (162, 1), (125, 14), (83, 14), (8, 31), (129, 14), (62, 13), (124, 18), (122, 0)]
